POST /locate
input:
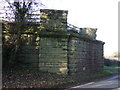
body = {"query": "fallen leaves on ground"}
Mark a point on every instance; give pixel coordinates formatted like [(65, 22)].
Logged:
[(26, 78)]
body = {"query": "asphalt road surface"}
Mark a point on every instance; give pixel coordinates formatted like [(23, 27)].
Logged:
[(111, 82)]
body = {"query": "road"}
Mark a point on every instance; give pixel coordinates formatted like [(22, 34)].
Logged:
[(111, 82)]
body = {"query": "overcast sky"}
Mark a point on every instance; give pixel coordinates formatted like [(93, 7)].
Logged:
[(101, 14)]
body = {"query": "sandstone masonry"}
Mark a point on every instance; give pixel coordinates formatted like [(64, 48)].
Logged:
[(58, 50)]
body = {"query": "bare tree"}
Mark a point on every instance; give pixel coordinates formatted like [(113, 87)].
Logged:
[(22, 12)]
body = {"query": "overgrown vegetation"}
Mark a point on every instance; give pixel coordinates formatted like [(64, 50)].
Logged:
[(12, 32), (111, 62)]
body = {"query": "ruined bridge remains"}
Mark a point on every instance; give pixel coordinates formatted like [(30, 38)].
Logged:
[(63, 48)]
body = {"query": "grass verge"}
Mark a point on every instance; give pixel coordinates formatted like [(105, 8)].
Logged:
[(111, 67)]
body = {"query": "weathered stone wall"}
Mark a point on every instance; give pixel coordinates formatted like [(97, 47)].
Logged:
[(60, 51), (53, 55), (63, 53), (89, 32), (52, 20), (56, 49), (85, 56)]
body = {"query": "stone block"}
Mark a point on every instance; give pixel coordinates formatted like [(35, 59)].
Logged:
[(53, 19)]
